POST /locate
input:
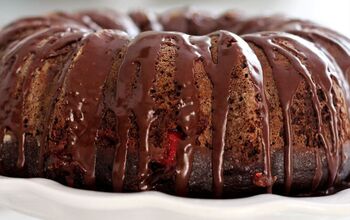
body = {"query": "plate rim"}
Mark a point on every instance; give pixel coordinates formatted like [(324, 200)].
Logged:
[(336, 205)]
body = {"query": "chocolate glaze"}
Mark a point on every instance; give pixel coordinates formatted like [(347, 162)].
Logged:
[(135, 62), (81, 94), (319, 36), (83, 97), (52, 48), (187, 117), (191, 49), (142, 51), (231, 49), (317, 71), (12, 119), (108, 133)]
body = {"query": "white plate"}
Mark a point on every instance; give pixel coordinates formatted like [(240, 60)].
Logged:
[(47, 199)]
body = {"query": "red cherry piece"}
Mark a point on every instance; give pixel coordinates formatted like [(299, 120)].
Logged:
[(262, 180), (173, 139)]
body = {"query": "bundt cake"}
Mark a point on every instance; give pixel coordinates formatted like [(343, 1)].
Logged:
[(183, 102)]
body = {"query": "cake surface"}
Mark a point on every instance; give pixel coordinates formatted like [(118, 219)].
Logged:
[(183, 102)]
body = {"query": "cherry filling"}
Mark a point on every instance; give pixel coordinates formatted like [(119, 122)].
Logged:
[(262, 180), (173, 140)]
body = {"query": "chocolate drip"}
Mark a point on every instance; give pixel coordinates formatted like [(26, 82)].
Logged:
[(314, 33), (220, 75), (256, 75), (60, 44), (188, 109), (14, 78), (84, 96), (317, 71), (231, 49), (140, 104), (106, 137), (140, 59), (190, 51), (318, 172), (55, 43)]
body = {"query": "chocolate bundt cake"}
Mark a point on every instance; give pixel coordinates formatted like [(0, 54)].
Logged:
[(182, 102)]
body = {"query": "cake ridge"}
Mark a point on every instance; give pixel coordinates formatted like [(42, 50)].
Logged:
[(307, 72)]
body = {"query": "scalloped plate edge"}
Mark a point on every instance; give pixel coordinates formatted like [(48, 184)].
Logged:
[(50, 200)]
